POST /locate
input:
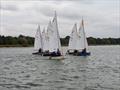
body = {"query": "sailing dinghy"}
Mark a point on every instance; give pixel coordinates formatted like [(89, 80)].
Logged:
[(54, 40), (82, 43), (45, 39), (38, 46), (73, 40), (81, 46)]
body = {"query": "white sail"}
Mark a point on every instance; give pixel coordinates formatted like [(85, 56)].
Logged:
[(38, 40), (54, 38), (45, 40), (81, 41), (73, 38), (50, 36)]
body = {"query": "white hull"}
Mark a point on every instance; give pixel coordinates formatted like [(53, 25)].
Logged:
[(57, 58)]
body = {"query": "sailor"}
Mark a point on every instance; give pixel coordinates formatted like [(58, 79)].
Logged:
[(40, 50), (53, 53), (75, 52), (84, 51), (58, 52), (67, 52), (46, 53)]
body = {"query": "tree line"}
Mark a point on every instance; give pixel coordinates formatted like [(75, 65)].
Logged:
[(16, 41), (24, 41), (95, 41)]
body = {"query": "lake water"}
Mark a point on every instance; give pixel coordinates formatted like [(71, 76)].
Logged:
[(20, 70)]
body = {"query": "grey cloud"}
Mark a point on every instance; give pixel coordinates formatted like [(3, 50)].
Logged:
[(98, 17), (81, 1), (9, 7), (46, 11), (49, 12)]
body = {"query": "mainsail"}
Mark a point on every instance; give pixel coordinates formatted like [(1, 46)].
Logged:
[(45, 40), (38, 40), (54, 38), (73, 38)]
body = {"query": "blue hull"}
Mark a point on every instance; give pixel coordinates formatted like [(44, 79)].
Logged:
[(52, 55), (80, 54), (84, 54)]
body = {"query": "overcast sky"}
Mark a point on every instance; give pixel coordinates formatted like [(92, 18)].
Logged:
[(101, 17)]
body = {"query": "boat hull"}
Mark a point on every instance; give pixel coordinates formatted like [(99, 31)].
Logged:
[(56, 57), (46, 54), (37, 53), (80, 54), (84, 54), (70, 53)]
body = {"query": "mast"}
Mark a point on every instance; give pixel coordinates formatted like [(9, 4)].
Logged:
[(57, 30), (83, 32), (85, 39), (44, 39)]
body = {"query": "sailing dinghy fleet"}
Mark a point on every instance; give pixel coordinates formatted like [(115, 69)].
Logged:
[(48, 43)]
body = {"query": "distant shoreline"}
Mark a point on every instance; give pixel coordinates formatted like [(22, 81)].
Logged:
[(14, 46), (27, 41), (1, 46)]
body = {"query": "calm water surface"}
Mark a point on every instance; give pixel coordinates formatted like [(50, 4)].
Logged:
[(20, 70)]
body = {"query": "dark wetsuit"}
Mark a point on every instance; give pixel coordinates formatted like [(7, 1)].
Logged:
[(46, 53), (84, 51), (75, 52), (56, 53), (53, 54), (40, 50)]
